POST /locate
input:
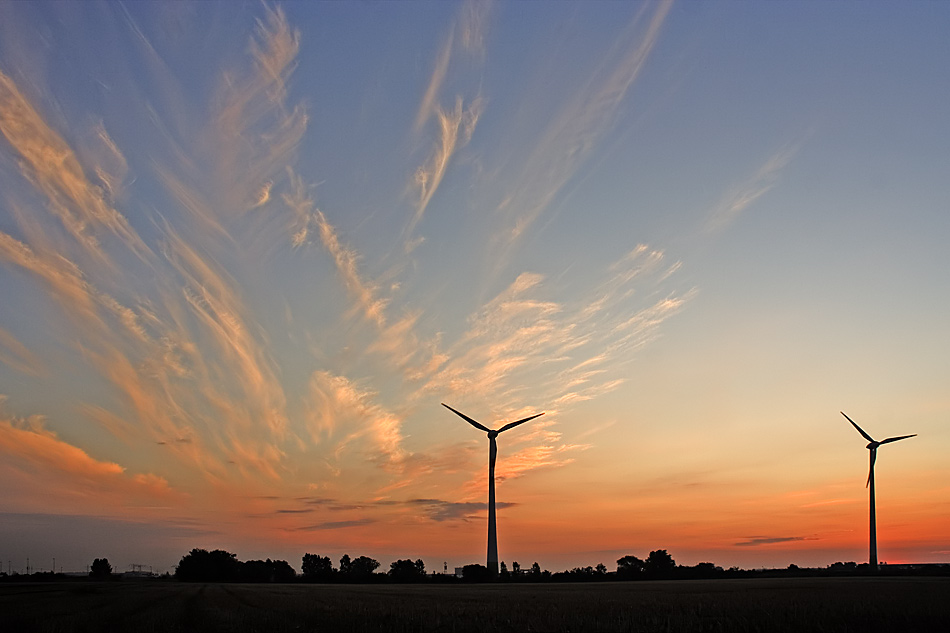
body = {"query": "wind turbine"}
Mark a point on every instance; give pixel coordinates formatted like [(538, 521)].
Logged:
[(872, 446), (492, 452)]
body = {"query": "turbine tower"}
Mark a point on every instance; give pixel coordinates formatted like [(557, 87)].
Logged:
[(492, 452), (872, 447)]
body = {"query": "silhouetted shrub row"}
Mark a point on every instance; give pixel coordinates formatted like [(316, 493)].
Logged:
[(220, 566), (319, 569)]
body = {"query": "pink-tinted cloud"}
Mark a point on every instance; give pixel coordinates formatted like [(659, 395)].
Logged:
[(51, 469)]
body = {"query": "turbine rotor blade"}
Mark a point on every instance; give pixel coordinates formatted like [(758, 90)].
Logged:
[(860, 430), (512, 425), (467, 419), (894, 439), (871, 469)]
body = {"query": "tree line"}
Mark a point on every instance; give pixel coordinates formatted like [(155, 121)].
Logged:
[(220, 566), (200, 565)]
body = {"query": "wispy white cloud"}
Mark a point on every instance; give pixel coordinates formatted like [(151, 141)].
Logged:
[(255, 132), (62, 278), (429, 99), (455, 130), (109, 163), (341, 412), (456, 125), (570, 352), (473, 24), (187, 358), (572, 135), (16, 355), (53, 168), (365, 294), (301, 206), (742, 197)]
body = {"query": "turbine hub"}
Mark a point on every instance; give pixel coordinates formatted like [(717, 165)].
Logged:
[(492, 434), (872, 445)]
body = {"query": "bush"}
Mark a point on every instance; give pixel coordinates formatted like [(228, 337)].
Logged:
[(200, 565), (317, 568), (475, 573), (100, 568), (407, 571)]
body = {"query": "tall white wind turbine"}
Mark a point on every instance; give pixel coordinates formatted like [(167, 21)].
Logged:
[(492, 452), (872, 447)]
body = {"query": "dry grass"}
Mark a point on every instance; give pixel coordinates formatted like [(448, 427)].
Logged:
[(827, 604)]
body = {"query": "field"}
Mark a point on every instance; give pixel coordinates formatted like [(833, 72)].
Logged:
[(792, 604)]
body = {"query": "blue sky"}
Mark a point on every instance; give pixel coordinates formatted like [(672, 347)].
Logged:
[(247, 249)]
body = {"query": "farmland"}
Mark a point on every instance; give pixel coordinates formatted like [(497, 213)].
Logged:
[(790, 604)]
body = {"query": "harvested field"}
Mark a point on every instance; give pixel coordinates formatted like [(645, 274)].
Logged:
[(793, 604)]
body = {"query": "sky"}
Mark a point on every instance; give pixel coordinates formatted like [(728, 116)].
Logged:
[(248, 249)]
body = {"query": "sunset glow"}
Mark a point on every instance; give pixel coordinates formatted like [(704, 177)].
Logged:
[(246, 250)]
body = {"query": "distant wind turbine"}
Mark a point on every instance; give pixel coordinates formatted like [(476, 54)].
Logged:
[(872, 446), (492, 452)]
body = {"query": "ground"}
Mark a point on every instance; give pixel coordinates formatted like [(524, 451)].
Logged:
[(791, 604)]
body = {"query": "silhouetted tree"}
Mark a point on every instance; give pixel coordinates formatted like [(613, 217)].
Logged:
[(601, 569), (475, 573), (848, 568), (536, 570), (515, 569), (700, 570), (407, 571), (100, 568), (630, 568), (357, 570), (317, 568), (503, 572), (267, 571), (659, 564), (200, 565)]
